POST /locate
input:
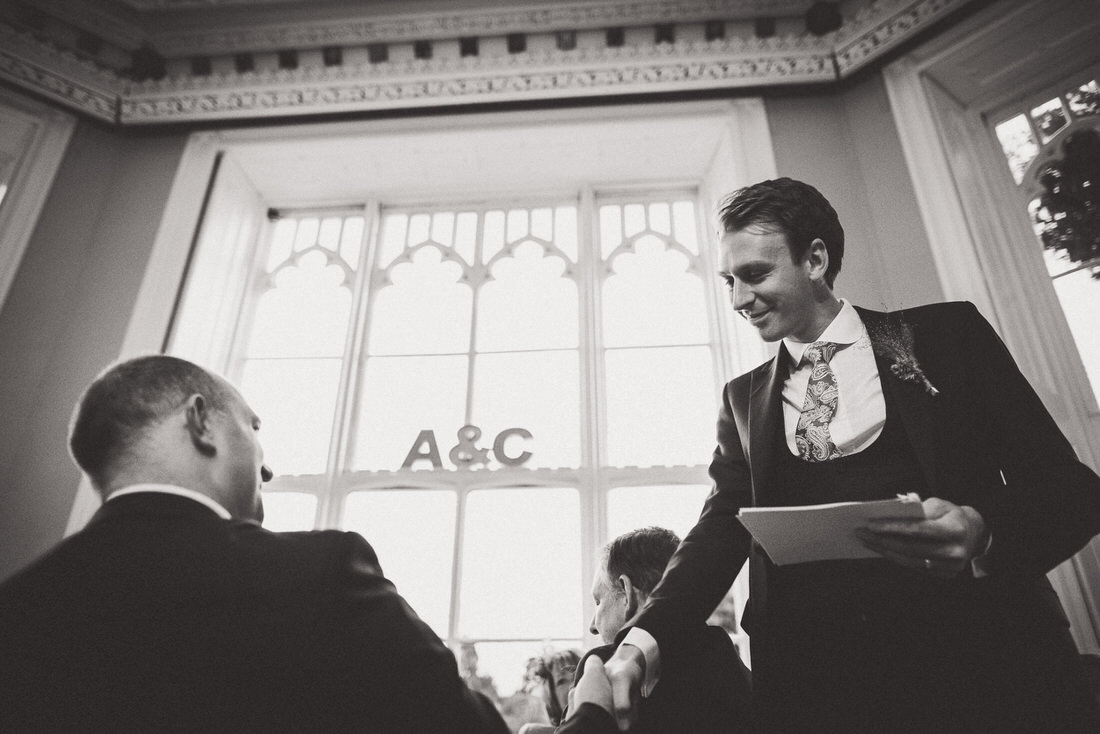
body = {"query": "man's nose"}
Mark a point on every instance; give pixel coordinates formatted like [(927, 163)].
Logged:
[(592, 627), (741, 296), (265, 473)]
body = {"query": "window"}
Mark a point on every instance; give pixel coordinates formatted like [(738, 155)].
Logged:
[(485, 391), (1052, 146)]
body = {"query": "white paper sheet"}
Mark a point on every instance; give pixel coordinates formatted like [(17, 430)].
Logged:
[(822, 532)]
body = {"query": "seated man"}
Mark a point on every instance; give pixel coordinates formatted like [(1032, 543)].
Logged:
[(173, 610), (704, 686)]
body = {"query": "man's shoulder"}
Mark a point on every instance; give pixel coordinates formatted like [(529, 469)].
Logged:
[(746, 378), (307, 546), (925, 312)]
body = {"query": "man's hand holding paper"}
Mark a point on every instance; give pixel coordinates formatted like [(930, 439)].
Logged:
[(825, 532), (943, 543)]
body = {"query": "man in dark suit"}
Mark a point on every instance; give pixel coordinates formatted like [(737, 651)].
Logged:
[(705, 686), (174, 611), (955, 628)]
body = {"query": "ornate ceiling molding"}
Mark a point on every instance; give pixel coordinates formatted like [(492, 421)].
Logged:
[(637, 68), (465, 81), (883, 25), (421, 26), (59, 75)]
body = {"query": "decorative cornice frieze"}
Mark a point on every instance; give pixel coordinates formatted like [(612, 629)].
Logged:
[(58, 74), (722, 64), (884, 24), (538, 74), (415, 27)]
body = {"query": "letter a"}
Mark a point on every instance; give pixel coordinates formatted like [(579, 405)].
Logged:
[(426, 436)]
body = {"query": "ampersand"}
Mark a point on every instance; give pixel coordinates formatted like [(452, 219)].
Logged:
[(465, 453)]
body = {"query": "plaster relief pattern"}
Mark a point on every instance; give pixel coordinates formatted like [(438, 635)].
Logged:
[(883, 25), (59, 75), (635, 68), (149, 106)]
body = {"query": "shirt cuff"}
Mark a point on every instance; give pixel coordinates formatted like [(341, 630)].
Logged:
[(978, 564), (644, 641)]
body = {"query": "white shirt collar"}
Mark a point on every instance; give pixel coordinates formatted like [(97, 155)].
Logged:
[(190, 494), (845, 328)]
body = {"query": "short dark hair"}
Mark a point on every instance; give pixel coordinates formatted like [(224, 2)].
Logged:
[(126, 399), (641, 555), (792, 208)]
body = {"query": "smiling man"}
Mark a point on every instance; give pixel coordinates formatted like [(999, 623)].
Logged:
[(174, 611), (955, 628)]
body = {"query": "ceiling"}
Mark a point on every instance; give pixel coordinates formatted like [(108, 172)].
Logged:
[(134, 62)]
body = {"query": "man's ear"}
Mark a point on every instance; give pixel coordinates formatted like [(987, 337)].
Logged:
[(817, 259), (198, 415), (630, 594)]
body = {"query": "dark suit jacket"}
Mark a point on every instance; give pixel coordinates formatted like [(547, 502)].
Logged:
[(986, 423), (704, 688), (161, 617)]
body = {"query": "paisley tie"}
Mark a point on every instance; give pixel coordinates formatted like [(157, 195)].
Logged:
[(811, 436)]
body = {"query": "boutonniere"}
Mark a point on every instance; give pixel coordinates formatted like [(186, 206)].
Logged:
[(892, 339)]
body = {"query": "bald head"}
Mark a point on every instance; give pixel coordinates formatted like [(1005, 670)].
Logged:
[(126, 401)]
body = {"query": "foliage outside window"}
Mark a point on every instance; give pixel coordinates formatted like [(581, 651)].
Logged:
[(1052, 148)]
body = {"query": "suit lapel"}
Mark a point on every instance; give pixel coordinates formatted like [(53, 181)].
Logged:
[(913, 405), (765, 416)]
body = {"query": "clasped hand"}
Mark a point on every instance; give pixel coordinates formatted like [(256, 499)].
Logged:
[(942, 544)]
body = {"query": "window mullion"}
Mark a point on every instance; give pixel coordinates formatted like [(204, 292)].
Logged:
[(463, 492), (456, 564), (593, 489), (478, 274), (329, 507)]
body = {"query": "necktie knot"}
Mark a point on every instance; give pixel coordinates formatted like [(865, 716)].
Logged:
[(821, 352)]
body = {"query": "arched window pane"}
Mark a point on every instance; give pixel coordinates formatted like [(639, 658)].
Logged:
[(565, 231), (661, 406), (306, 236), (426, 310), (652, 299), (305, 314), (412, 531), (528, 304), (351, 241), (1018, 143), (394, 228), (466, 235), (1050, 117), (521, 565)]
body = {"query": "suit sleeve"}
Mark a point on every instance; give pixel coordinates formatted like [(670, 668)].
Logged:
[(709, 557), (589, 719), (1049, 507), (399, 674)]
